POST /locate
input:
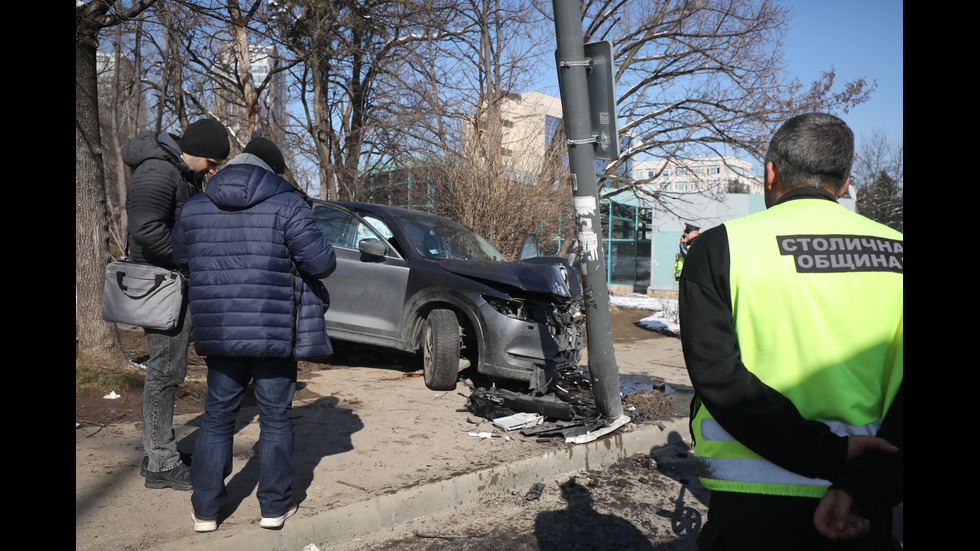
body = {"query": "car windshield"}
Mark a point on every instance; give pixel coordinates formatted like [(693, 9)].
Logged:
[(438, 238)]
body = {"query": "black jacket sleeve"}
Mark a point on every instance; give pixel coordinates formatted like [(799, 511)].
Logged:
[(151, 204), (752, 412), (876, 479)]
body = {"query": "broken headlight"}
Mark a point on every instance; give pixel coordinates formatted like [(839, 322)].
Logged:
[(508, 307)]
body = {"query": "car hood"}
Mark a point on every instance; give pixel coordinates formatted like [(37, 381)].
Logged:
[(549, 275)]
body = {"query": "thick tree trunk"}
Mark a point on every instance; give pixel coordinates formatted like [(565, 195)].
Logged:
[(97, 341)]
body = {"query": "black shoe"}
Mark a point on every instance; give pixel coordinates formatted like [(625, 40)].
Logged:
[(178, 478), (184, 457)]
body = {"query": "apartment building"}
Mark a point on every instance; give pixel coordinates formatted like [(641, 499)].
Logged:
[(530, 121), (700, 174)]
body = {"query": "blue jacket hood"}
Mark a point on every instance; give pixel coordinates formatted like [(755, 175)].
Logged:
[(244, 184)]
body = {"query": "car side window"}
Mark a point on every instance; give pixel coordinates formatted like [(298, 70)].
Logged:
[(337, 225), (342, 228), (379, 225)]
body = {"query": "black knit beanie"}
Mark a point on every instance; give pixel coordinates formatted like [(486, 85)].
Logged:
[(205, 138), (264, 149)]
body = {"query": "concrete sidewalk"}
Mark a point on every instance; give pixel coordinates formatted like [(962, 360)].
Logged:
[(374, 449)]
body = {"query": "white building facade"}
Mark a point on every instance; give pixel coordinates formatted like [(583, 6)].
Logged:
[(530, 121), (698, 175)]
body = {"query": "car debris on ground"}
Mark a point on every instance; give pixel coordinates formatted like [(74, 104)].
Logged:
[(516, 421), (567, 410)]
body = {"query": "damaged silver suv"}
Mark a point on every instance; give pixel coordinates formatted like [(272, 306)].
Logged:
[(422, 283)]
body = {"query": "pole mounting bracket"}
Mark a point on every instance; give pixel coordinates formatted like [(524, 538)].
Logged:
[(582, 63), (582, 141)]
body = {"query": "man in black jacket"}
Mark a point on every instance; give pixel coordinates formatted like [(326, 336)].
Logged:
[(167, 171)]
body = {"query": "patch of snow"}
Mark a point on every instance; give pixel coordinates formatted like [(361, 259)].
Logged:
[(663, 317)]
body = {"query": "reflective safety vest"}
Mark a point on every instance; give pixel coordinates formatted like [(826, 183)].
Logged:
[(819, 318)]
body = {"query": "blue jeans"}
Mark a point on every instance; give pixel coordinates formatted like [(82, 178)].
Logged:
[(275, 384), (165, 370)]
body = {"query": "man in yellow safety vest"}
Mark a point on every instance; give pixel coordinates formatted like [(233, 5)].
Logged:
[(792, 327)]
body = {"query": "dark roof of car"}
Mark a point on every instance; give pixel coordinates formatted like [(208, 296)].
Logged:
[(383, 208), (392, 210)]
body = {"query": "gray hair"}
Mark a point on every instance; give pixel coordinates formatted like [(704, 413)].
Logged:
[(813, 149)]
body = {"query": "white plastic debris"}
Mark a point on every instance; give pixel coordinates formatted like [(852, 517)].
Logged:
[(311, 547), (481, 434), (593, 435), (112, 396), (518, 421)]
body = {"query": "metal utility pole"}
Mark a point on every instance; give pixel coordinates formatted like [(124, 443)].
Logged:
[(573, 67)]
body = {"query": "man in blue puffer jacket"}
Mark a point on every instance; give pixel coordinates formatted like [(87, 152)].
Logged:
[(255, 256)]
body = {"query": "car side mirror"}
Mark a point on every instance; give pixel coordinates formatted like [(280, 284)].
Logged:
[(372, 247)]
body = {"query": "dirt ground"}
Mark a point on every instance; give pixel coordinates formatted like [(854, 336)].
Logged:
[(91, 407), (353, 411)]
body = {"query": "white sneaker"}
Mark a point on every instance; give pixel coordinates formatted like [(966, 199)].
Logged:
[(203, 525), (277, 522)]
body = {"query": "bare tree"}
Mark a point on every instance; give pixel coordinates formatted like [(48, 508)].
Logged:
[(243, 57), (142, 86), (97, 341), (200, 59), (348, 49), (694, 78), (704, 77), (121, 117), (465, 136), (239, 64), (879, 178), (504, 201), (165, 69)]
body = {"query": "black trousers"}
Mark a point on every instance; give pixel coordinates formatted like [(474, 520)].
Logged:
[(755, 522)]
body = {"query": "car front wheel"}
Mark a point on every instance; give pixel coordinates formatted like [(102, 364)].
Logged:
[(441, 350)]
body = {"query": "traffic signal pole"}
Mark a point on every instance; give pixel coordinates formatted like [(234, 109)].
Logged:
[(573, 67)]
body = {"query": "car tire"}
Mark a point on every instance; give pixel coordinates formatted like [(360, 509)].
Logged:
[(440, 350)]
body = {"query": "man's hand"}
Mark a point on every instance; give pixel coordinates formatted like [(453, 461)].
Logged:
[(837, 519), (856, 445)]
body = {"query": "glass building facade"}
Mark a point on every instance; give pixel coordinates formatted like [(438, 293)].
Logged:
[(626, 232)]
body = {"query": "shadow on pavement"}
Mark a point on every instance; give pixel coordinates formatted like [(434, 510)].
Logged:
[(322, 429)]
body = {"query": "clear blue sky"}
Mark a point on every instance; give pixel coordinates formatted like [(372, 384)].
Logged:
[(858, 38)]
